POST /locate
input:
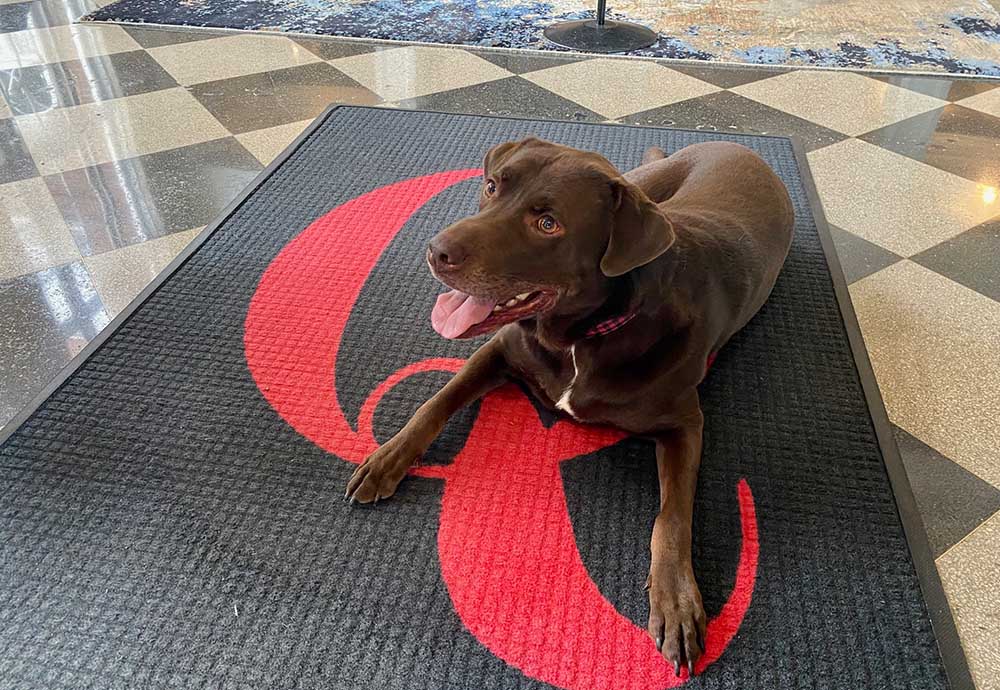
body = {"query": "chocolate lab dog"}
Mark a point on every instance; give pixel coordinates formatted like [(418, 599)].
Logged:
[(608, 294)]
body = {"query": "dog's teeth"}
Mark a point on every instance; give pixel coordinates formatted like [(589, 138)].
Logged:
[(498, 307), (523, 296), (512, 301)]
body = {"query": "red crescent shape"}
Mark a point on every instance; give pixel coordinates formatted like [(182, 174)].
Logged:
[(507, 550)]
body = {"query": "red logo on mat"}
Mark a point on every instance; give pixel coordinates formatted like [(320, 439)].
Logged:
[(530, 601)]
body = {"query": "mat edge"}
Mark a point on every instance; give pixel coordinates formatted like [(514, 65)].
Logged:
[(942, 619)]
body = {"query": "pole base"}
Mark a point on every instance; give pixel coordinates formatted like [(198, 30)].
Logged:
[(611, 37)]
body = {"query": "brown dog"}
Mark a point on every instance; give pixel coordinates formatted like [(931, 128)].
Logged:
[(611, 292)]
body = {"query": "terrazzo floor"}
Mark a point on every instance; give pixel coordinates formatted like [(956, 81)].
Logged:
[(119, 144)]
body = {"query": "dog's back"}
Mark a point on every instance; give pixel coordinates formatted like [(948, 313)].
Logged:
[(733, 218)]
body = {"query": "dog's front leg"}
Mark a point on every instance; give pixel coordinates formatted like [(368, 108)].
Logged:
[(379, 475), (676, 615)]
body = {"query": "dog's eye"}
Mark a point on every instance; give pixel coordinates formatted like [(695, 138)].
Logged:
[(548, 224), (491, 188)]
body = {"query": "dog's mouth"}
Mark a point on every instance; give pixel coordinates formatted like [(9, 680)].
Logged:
[(458, 315)]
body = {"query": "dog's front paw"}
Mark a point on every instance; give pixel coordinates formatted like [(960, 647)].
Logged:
[(676, 615), (379, 475)]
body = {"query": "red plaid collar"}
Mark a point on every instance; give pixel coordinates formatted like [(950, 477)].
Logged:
[(609, 325), (612, 325)]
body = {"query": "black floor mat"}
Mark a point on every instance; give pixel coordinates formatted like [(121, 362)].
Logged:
[(172, 513)]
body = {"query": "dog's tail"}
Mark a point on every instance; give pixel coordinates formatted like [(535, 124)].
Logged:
[(653, 153)]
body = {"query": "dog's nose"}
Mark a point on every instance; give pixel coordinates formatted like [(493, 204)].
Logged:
[(445, 255)]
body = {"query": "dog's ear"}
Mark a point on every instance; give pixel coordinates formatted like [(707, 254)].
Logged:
[(640, 231), (501, 152), (497, 154)]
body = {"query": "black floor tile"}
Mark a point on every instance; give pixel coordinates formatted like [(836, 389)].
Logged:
[(268, 99), (858, 257), (951, 500), (154, 37), (15, 159), (130, 201), (512, 96), (39, 14), (522, 63), (38, 88), (972, 259), (726, 76), (730, 113), (940, 87), (954, 138), (46, 318), (333, 48)]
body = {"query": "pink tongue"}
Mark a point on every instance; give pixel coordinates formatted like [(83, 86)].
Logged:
[(456, 312)]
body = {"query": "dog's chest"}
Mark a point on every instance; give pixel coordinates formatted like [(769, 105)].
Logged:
[(565, 400), (564, 381)]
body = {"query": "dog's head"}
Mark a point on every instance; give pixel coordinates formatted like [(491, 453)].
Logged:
[(555, 225)]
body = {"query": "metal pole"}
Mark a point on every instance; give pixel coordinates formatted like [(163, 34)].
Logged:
[(601, 9)]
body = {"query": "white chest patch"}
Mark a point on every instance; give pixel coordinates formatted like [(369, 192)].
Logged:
[(563, 402)]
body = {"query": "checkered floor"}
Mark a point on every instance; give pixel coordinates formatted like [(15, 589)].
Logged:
[(119, 144)]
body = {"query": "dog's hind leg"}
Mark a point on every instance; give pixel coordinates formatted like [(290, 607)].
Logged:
[(653, 153), (660, 175)]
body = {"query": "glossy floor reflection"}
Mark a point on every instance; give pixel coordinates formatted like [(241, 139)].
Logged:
[(46, 318), (118, 144), (134, 200)]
